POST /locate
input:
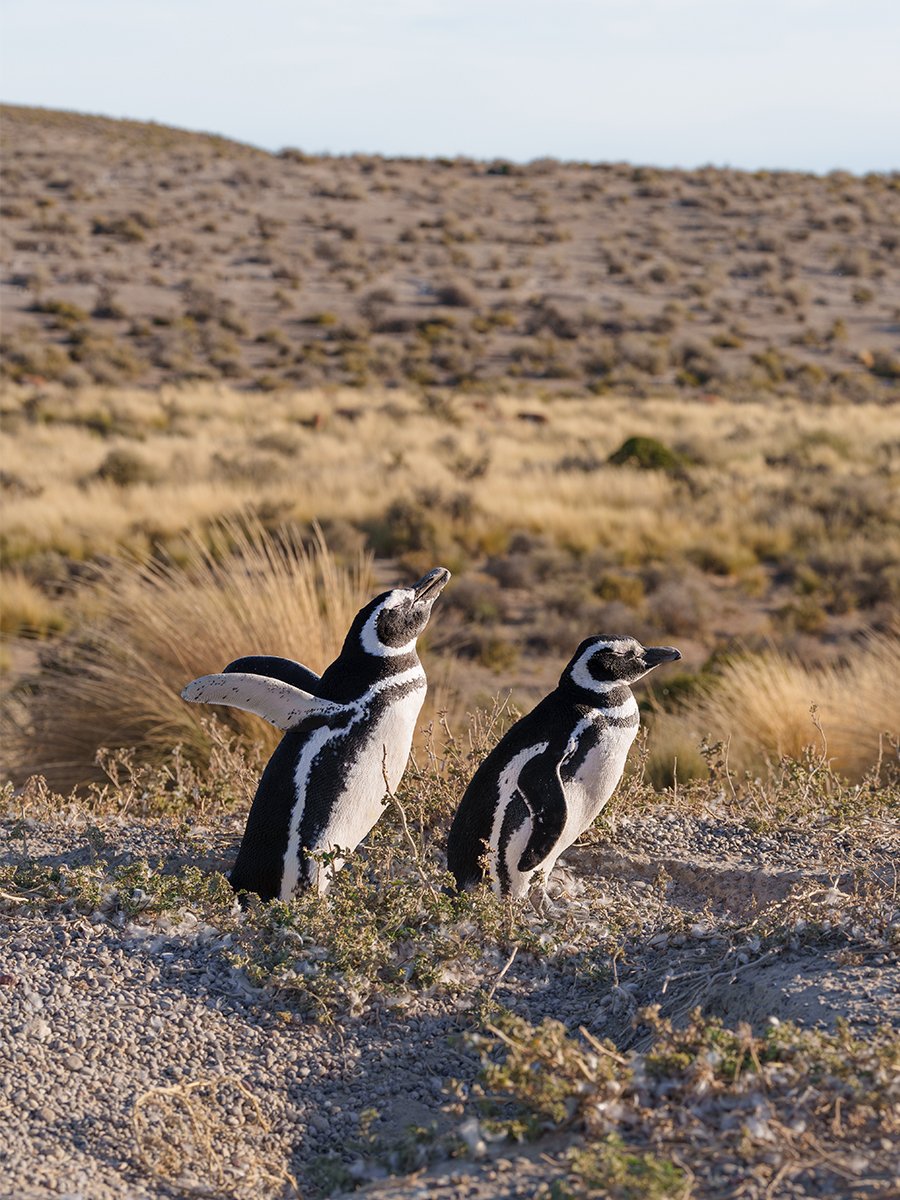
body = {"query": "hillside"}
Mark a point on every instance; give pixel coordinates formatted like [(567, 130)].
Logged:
[(136, 253)]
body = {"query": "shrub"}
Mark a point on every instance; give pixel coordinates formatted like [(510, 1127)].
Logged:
[(107, 360), (107, 307), (67, 314), (495, 652), (629, 589), (374, 304), (647, 454), (25, 354), (854, 261), (456, 293), (545, 315), (124, 468), (478, 601), (323, 319), (202, 304), (885, 366), (125, 229)]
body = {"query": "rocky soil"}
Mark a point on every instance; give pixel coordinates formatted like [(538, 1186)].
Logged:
[(97, 1011)]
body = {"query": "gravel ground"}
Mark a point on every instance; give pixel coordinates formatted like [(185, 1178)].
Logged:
[(94, 1014)]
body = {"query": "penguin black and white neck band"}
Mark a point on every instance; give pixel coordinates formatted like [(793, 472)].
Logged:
[(547, 780), (344, 734)]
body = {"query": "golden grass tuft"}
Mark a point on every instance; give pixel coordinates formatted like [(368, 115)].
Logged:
[(24, 609), (770, 706), (150, 626)]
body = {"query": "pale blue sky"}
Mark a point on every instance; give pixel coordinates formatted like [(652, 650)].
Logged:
[(805, 84)]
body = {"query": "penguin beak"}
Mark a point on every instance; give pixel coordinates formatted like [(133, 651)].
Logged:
[(654, 655), (430, 586)]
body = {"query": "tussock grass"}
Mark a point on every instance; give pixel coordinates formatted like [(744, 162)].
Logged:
[(24, 609), (779, 528), (150, 626), (770, 707)]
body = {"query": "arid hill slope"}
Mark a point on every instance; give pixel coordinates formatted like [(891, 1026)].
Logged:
[(139, 253)]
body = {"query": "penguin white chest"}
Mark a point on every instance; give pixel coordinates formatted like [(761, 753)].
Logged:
[(595, 779), (383, 754)]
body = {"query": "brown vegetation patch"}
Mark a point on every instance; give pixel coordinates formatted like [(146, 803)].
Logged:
[(206, 259)]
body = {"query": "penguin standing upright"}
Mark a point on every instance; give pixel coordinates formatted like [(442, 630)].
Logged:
[(546, 781), (346, 733)]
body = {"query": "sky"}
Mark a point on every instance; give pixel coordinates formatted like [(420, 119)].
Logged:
[(800, 84)]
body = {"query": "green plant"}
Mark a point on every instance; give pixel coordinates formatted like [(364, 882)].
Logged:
[(699, 1075), (646, 453), (612, 1169)]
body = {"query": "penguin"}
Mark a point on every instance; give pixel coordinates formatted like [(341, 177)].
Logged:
[(548, 778), (347, 737)]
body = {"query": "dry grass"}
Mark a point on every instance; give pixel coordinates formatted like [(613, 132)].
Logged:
[(147, 627), (25, 611), (771, 707), (779, 529), (209, 1138), (476, 470), (784, 1109)]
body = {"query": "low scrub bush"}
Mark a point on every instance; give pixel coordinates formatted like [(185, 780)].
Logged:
[(647, 454), (124, 468), (456, 293), (738, 1094)]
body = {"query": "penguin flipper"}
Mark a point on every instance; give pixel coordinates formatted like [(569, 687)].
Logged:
[(542, 790), (281, 704), (274, 667)]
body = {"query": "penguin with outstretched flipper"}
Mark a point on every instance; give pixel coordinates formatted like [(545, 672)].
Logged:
[(347, 737)]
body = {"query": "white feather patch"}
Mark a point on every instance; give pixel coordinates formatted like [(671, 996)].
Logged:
[(281, 704), (506, 787), (580, 674), (372, 643), (619, 712)]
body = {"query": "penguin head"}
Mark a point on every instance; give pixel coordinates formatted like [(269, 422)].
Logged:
[(389, 625), (605, 660)]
